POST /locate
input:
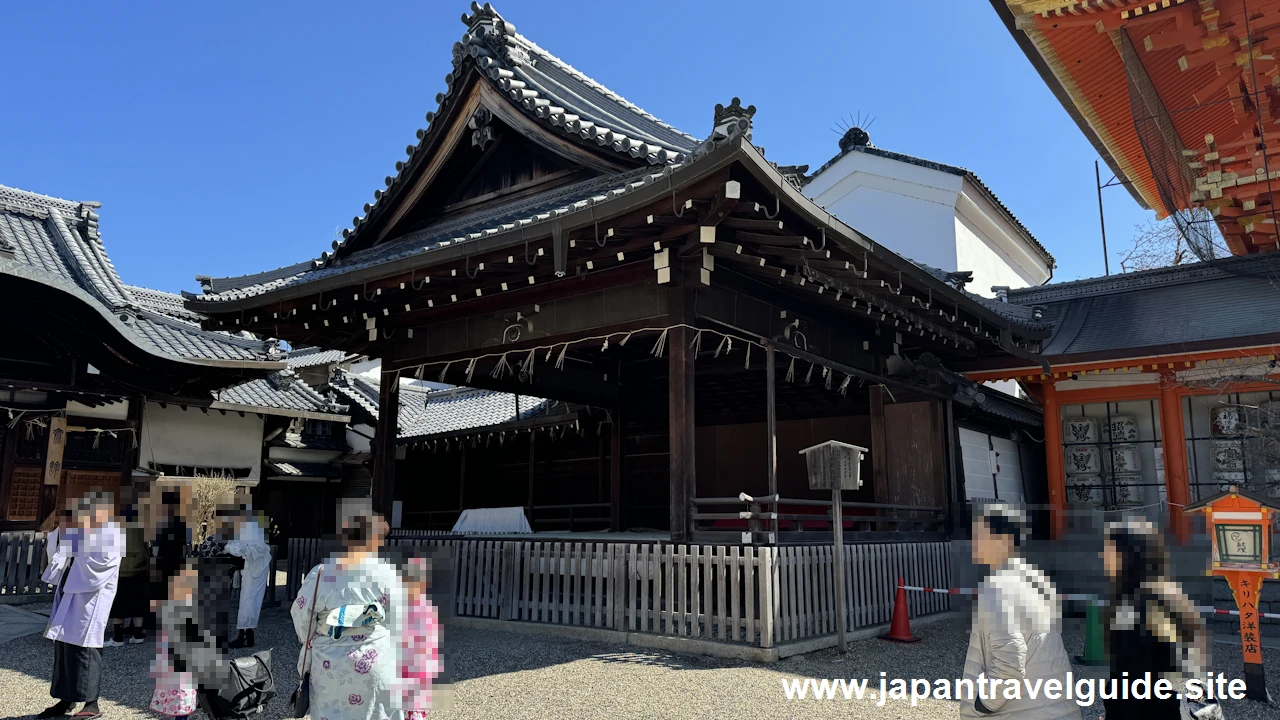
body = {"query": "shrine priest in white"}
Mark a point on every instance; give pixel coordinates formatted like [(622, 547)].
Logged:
[(84, 563)]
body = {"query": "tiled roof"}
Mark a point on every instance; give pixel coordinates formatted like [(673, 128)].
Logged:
[(1181, 307), (169, 304), (950, 170), (56, 242), (312, 356), (1022, 314), (542, 208), (300, 469), (282, 391), (428, 412)]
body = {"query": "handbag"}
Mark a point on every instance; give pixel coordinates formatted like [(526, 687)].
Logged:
[(247, 686), (301, 697)]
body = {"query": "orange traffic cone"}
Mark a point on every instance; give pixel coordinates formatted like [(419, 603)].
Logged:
[(900, 628)]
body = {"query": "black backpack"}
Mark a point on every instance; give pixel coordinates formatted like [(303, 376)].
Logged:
[(245, 690)]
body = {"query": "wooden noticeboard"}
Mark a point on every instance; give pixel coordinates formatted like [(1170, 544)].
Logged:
[(57, 446)]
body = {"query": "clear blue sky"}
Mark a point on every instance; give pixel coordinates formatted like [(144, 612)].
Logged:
[(227, 138)]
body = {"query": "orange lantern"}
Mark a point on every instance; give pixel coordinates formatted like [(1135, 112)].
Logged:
[(1239, 525)]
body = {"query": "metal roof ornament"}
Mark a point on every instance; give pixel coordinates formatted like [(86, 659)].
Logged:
[(730, 122)]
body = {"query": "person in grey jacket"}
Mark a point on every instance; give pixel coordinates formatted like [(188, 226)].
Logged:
[(1017, 634)]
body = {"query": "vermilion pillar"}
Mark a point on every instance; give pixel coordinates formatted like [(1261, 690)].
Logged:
[(1174, 443), (1053, 458)]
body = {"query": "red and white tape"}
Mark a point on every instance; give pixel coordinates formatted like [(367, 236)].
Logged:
[(1207, 610)]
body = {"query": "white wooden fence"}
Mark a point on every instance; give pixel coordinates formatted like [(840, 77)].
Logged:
[(744, 594)]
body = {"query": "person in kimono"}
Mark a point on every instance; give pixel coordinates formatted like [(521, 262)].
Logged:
[(420, 641), (250, 545), (84, 554), (184, 653), (346, 617), (1017, 635)]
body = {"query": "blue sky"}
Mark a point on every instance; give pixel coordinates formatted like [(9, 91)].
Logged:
[(228, 138)]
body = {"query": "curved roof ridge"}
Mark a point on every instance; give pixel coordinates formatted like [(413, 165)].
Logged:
[(1267, 263), (595, 85)]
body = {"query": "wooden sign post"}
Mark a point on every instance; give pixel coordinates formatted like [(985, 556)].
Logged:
[(1239, 525), (54, 451), (836, 466)]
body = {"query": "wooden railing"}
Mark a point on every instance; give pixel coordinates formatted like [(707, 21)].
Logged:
[(760, 596), (22, 558), (22, 561), (774, 520)]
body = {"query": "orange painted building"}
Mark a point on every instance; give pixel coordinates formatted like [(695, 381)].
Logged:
[(1162, 388), (1180, 97)]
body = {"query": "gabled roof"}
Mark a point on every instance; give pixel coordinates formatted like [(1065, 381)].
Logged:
[(438, 412), (969, 175), (539, 85), (305, 357), (56, 242)]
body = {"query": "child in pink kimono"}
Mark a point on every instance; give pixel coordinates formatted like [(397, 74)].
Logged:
[(420, 642), (176, 684)]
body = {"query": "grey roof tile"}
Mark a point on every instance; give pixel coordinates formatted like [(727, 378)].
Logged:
[(60, 239), (1170, 307), (427, 411), (312, 356), (541, 208), (281, 390)]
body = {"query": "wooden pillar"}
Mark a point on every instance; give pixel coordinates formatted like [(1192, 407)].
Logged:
[(615, 472), (533, 470), (384, 450), (771, 418), (681, 430), (462, 475), (1054, 461), (879, 447), (1173, 441)]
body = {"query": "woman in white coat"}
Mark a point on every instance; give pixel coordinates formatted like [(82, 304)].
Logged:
[(1017, 634)]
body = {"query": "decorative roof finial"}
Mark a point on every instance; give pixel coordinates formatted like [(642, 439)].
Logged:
[(854, 137), (733, 120), (486, 16)]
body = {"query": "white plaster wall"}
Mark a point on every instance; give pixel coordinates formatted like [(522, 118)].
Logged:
[(914, 227), (990, 266), (359, 443), (173, 436), (302, 455)]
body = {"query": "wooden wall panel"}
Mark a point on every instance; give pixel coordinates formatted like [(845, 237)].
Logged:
[(914, 468)]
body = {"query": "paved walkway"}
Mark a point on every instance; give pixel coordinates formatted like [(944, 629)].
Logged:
[(498, 674)]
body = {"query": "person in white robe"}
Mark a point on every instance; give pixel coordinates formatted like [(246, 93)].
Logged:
[(347, 615), (84, 555), (250, 544)]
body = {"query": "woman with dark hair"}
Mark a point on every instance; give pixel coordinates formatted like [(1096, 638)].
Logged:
[(1017, 635), (1152, 627), (347, 618)]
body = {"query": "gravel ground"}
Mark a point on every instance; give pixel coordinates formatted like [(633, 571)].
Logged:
[(506, 675)]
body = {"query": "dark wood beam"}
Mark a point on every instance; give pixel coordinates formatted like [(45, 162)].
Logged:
[(384, 452), (680, 407)]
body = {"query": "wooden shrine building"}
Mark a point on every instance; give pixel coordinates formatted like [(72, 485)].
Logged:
[(701, 319), (103, 382)]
